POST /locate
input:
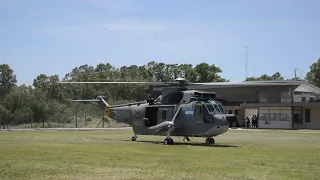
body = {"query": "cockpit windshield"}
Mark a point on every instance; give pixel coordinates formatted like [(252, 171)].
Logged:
[(210, 108), (221, 108), (217, 108)]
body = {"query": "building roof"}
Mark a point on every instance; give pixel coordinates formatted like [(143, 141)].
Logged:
[(302, 86)]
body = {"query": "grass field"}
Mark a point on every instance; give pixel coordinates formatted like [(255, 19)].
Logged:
[(111, 154)]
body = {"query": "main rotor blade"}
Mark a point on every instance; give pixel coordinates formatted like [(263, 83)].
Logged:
[(209, 83), (112, 82)]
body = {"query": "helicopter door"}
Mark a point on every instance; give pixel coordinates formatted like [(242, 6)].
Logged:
[(198, 112)]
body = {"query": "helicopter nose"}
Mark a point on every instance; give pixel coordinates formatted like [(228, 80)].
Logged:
[(221, 120)]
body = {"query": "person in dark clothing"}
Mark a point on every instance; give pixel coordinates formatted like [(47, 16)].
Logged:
[(252, 121), (257, 119), (248, 122)]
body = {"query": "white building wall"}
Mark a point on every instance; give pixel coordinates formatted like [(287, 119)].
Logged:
[(314, 119), (275, 124), (250, 112)]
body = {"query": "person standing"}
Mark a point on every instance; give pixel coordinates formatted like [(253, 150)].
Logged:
[(248, 121), (253, 121), (257, 119)]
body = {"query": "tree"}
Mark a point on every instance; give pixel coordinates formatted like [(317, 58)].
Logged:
[(49, 85), (17, 102), (265, 77), (313, 76), (48, 100), (7, 79), (208, 73)]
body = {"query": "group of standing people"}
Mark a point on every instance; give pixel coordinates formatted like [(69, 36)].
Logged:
[(254, 121)]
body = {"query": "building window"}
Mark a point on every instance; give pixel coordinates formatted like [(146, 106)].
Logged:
[(164, 114), (261, 117), (307, 115), (263, 97), (288, 117), (282, 117), (271, 116), (297, 118), (286, 97)]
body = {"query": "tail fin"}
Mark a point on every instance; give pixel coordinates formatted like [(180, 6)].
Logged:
[(104, 106)]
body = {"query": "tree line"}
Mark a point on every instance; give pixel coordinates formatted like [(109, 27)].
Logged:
[(48, 100)]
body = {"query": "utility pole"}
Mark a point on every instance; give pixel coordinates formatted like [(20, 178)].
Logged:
[(247, 61)]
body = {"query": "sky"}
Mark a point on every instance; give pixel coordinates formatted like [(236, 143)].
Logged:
[(53, 37)]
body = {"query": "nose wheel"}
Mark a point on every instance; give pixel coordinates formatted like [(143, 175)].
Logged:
[(210, 140), (168, 141), (134, 138)]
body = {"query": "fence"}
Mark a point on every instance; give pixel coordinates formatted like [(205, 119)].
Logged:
[(79, 118)]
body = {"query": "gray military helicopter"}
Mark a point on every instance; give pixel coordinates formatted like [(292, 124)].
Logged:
[(176, 112)]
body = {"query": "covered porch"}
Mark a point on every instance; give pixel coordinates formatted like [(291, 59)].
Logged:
[(303, 115)]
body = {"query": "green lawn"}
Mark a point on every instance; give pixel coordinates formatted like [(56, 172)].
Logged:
[(112, 155)]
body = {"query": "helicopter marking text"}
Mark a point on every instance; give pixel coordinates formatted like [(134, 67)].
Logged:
[(121, 114)]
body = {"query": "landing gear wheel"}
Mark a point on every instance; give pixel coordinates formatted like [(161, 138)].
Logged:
[(168, 141), (207, 141), (210, 141), (133, 138)]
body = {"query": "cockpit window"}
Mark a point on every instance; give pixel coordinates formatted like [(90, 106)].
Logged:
[(205, 110), (220, 106), (216, 107), (210, 108)]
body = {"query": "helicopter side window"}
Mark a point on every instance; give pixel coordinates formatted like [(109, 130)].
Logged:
[(200, 110), (197, 109)]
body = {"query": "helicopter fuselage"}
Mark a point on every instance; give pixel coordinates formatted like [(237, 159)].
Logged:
[(191, 119)]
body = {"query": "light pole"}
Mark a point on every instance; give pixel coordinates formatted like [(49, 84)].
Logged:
[(247, 61)]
